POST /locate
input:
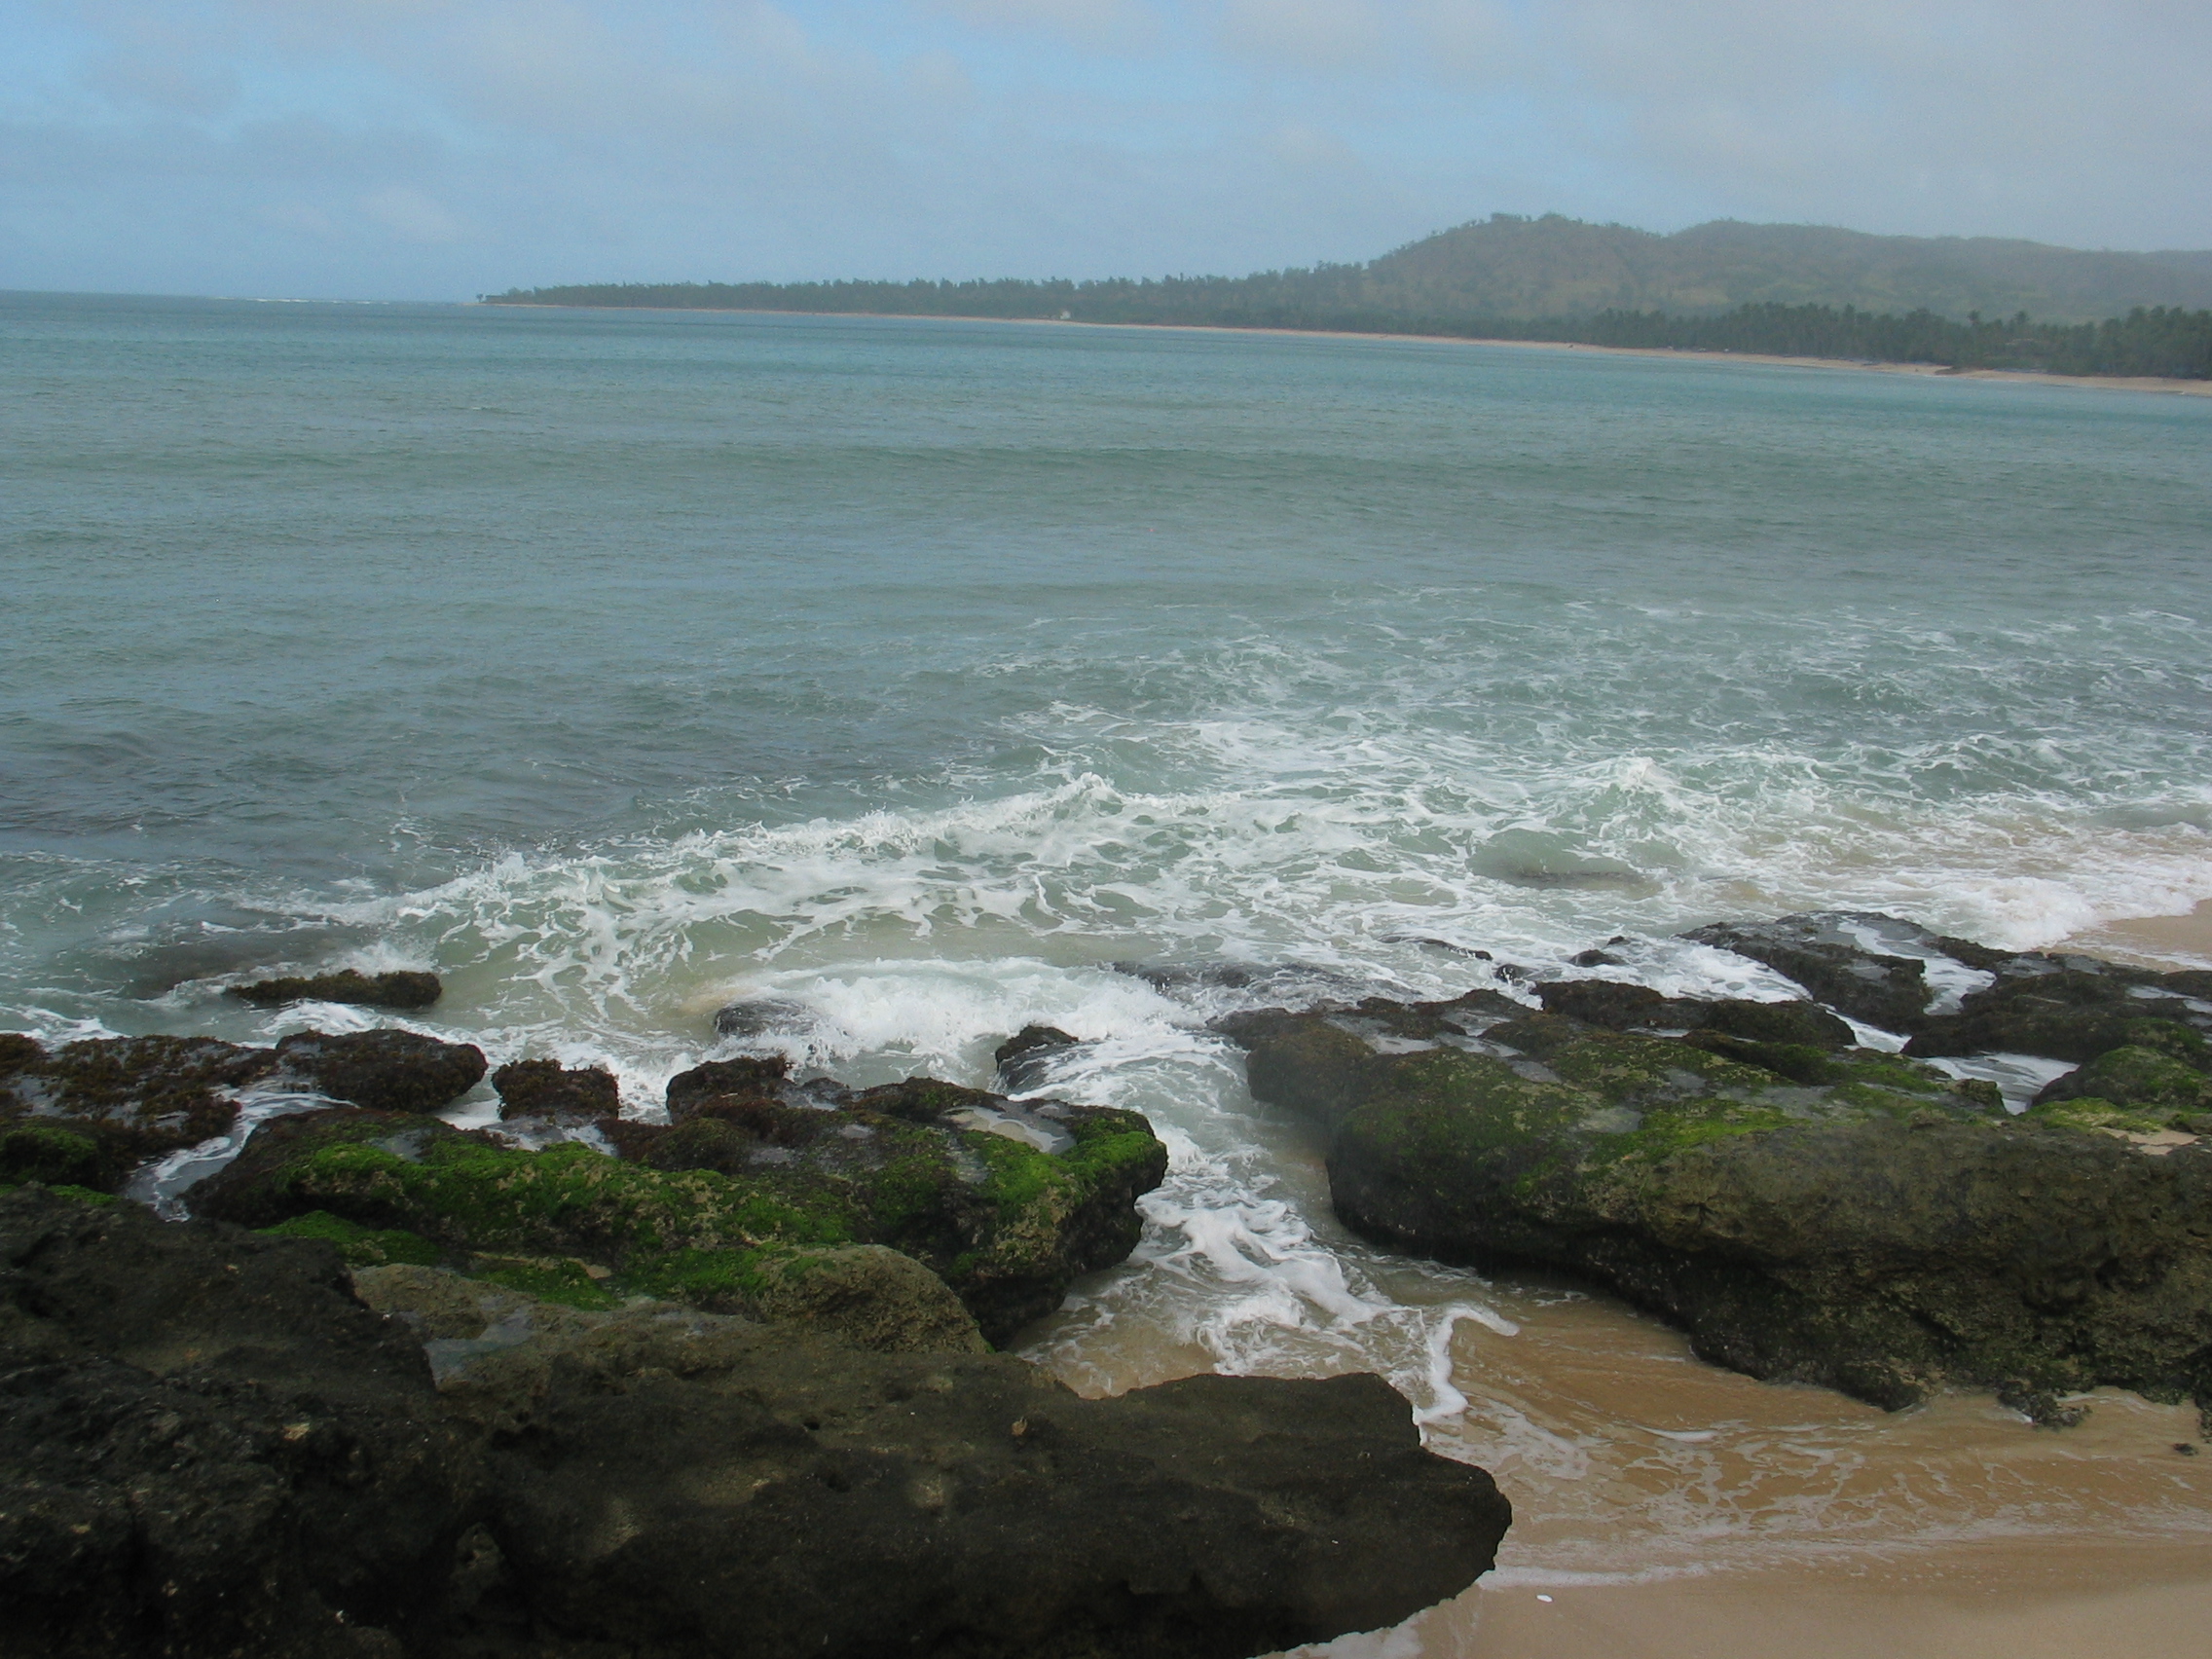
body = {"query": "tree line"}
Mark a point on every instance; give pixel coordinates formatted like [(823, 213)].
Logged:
[(2161, 341)]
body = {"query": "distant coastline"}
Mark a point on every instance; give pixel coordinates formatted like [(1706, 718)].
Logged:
[(1795, 292), (2169, 384)]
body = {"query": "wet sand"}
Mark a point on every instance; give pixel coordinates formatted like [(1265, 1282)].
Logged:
[(2161, 941), (2079, 1598)]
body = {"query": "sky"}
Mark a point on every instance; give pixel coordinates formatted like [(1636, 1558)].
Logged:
[(438, 149)]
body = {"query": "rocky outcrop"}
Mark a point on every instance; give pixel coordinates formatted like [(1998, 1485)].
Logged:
[(1806, 1212), (108, 1103), (2066, 1012), (1008, 1204), (1830, 955), (532, 1089), (212, 1448), (209, 1446), (404, 989), (385, 1071)]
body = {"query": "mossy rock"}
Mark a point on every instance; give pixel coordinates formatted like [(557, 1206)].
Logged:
[(1006, 1225), (137, 1098), (2149, 1081), (360, 1246), (34, 1151), (1874, 1225)]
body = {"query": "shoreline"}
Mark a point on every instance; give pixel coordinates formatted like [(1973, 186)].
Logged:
[(1926, 371), (2149, 940), (2013, 1599)]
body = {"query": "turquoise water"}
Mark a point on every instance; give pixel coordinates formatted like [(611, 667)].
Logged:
[(908, 673)]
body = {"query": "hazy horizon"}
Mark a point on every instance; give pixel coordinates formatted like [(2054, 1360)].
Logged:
[(438, 149)]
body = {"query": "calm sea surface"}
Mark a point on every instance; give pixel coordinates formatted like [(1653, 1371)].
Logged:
[(908, 673)]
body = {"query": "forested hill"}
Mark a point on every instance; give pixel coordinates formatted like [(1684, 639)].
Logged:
[(1796, 289)]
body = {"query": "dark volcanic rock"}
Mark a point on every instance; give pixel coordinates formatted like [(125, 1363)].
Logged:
[(210, 1448), (759, 1019), (669, 1468), (1886, 1231), (751, 1079), (1823, 953), (133, 1097), (386, 1071), (2073, 1012), (1790, 1022), (1025, 1058), (401, 989), (1603, 1002), (546, 1088)]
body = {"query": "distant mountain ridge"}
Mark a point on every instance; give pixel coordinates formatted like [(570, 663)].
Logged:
[(1509, 267)]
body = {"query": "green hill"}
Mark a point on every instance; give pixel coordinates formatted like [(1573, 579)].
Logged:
[(1556, 266)]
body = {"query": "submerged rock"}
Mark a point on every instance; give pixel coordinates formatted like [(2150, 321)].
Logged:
[(385, 1071), (1826, 1215), (211, 1448), (400, 990), (1024, 1059), (1827, 954), (127, 1098), (1008, 1204)]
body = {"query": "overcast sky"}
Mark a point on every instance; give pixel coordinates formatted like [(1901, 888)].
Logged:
[(440, 148)]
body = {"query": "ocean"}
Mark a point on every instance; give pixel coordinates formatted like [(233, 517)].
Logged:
[(908, 675)]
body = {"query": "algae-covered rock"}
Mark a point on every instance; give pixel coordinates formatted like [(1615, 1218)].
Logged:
[(385, 1071), (2074, 1013), (2139, 1075), (546, 1088), (135, 1097), (1008, 1206), (57, 1157), (405, 990), (210, 1446), (1882, 1229)]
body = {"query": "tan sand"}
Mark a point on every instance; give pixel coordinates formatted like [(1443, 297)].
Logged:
[(2079, 1600), (2160, 940)]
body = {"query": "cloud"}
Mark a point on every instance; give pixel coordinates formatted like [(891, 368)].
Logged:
[(1112, 25), (410, 216), (446, 146)]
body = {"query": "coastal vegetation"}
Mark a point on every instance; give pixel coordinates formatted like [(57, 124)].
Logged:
[(1769, 290)]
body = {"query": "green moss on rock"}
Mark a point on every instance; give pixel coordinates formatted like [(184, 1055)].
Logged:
[(2150, 1079), (361, 1246), (1872, 1224), (1006, 1225)]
